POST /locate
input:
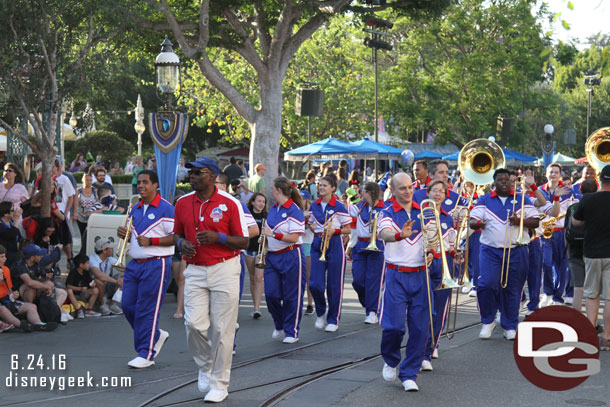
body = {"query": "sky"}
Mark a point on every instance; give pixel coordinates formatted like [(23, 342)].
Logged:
[(587, 18)]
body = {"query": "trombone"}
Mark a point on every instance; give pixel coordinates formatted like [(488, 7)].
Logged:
[(325, 238), (262, 251), (373, 229), (508, 233), (122, 245)]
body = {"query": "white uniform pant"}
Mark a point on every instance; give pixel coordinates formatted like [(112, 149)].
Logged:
[(211, 299)]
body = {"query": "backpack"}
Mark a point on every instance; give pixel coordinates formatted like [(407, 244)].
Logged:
[(48, 310), (574, 235)]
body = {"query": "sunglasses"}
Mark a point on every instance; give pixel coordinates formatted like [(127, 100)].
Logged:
[(9, 170)]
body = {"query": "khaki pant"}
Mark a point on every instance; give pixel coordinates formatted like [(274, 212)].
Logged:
[(211, 301)]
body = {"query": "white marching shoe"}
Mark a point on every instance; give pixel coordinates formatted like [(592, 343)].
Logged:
[(277, 333), (410, 385), (426, 366), (498, 317), (163, 335), (371, 318), (140, 363), (331, 327), (290, 339), (216, 396), (203, 381), (435, 354), (487, 330), (509, 334), (545, 300), (320, 321), (388, 373), (472, 293)]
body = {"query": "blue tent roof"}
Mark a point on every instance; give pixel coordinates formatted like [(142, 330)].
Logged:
[(383, 150), (329, 148), (427, 155)]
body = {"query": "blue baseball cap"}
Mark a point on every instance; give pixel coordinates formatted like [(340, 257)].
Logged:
[(204, 162), (33, 250)]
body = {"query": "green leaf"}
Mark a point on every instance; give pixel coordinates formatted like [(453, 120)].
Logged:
[(565, 24), (570, 5)]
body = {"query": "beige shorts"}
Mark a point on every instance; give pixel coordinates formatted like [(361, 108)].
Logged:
[(597, 278)]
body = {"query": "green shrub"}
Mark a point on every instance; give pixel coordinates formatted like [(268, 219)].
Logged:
[(121, 179), (109, 144)]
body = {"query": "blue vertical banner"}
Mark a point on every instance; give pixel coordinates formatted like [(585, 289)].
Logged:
[(168, 131), (548, 150)]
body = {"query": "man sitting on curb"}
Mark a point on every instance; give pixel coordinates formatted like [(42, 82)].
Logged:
[(101, 263), (11, 307), (81, 287)]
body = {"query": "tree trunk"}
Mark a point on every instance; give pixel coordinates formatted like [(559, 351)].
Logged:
[(266, 131)]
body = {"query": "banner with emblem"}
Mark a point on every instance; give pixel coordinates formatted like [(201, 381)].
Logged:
[(168, 131)]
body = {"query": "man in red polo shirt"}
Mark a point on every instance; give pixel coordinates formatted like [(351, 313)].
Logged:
[(210, 229)]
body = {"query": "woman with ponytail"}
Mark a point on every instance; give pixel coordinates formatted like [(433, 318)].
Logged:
[(328, 275), (368, 267), (284, 277)]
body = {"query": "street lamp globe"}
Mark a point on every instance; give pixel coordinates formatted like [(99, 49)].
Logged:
[(167, 65), (549, 129)]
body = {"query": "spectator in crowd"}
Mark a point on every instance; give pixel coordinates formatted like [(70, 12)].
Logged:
[(65, 202), (106, 280), (354, 177), (82, 288), (591, 213), (100, 180), (86, 198), (309, 184), (116, 169), (9, 231), (182, 174), (152, 163), (130, 164), (256, 183), (232, 170), (244, 171), (12, 188), (138, 168), (68, 174), (240, 192), (343, 184), (343, 164), (329, 171), (105, 202), (78, 164), (28, 280), (320, 173), (11, 308), (257, 205)]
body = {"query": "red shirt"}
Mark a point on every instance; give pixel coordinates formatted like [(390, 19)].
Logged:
[(220, 213)]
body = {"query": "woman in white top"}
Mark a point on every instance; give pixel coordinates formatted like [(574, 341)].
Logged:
[(11, 188)]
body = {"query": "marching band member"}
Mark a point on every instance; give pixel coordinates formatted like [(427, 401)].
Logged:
[(330, 216), (148, 273), (285, 261), (556, 275), (588, 172), (534, 274), (437, 191), (211, 231), (439, 169), (494, 214), (406, 288), (368, 267), (420, 171)]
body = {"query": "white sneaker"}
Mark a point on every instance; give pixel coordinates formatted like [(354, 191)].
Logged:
[(426, 366), (215, 396), (203, 381), (410, 385), (70, 317), (331, 327), (529, 312), (498, 317), (320, 321), (568, 300), (435, 354), (163, 335), (544, 300), (371, 318), (140, 363), (388, 373), (509, 334), (487, 330), (472, 293), (64, 317), (277, 334), (115, 309), (91, 313), (466, 290), (105, 310), (290, 339)]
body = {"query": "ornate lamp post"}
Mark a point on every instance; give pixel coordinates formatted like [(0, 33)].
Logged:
[(139, 127), (167, 65)]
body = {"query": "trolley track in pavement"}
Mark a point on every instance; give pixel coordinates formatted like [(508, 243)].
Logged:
[(287, 392)]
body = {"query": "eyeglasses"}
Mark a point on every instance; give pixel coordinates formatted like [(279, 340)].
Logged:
[(199, 172)]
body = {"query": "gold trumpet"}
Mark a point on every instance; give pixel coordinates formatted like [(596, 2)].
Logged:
[(259, 261), (548, 225), (373, 229), (122, 245), (325, 238)]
